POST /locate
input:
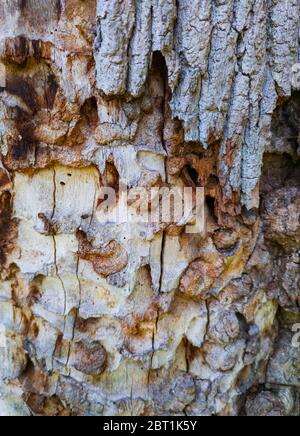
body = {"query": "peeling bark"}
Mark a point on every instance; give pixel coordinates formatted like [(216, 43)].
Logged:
[(137, 319)]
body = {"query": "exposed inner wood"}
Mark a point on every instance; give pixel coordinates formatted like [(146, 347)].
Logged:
[(127, 319)]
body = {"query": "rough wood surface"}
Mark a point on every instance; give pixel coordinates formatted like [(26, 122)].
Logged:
[(105, 319)]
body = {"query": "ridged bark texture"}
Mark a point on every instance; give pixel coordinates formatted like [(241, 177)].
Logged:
[(105, 319)]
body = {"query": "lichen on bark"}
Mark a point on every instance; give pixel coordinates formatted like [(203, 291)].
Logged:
[(140, 319)]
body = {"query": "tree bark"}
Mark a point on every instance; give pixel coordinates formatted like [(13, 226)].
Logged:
[(136, 319)]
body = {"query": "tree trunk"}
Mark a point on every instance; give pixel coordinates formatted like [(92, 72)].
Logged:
[(103, 318)]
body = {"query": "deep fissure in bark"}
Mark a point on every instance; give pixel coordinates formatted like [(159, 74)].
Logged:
[(99, 319)]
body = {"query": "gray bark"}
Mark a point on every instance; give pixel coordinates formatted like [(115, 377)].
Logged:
[(140, 319)]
